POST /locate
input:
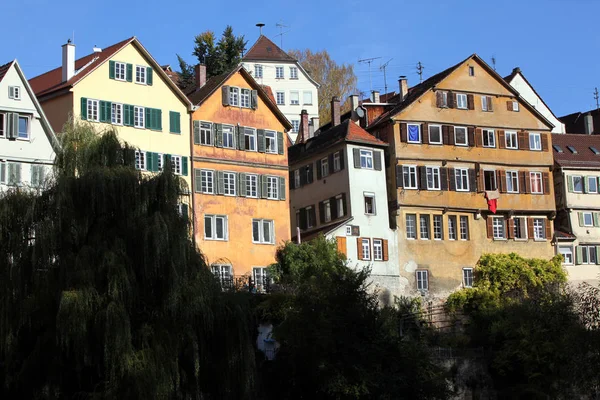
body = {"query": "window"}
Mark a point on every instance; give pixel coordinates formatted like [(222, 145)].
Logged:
[(520, 228), (515, 106), (340, 205), (324, 167), (140, 74), (2, 131), (92, 110), (245, 98), (539, 229), (293, 73), (13, 176), (433, 178), (484, 103), (377, 249), (279, 72), (140, 160), (438, 229), (14, 92), (215, 227), (411, 226), (206, 133), (592, 186), (251, 185), (451, 227), (464, 227), (271, 142), (327, 211), (273, 187), (535, 141), (489, 180), (422, 280), (366, 159), (369, 204), (435, 134), (280, 98), (116, 115), (260, 277), (471, 70), (223, 274), (120, 71), (414, 133), (229, 183), (512, 181), (258, 71), (578, 184), (461, 100), (489, 138), (262, 231), (409, 173), (310, 222), (536, 182), (159, 164), (498, 228), (176, 164), (250, 139), (511, 140), (460, 136), (294, 98), (138, 117), (424, 226), (207, 181), (234, 96), (228, 140), (37, 175), (336, 162), (23, 127), (567, 253), (348, 230), (468, 277), (588, 219), (366, 249), (296, 178), (295, 125), (307, 98), (461, 176), (588, 254)]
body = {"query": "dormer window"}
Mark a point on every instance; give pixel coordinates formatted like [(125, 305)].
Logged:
[(14, 92)]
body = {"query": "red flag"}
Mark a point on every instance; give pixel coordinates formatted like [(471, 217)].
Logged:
[(492, 205)]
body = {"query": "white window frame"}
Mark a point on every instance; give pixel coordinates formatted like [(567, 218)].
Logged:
[(512, 181), (408, 133), (513, 142), (438, 227), (520, 227), (139, 117), (258, 71), (366, 249), (537, 141), (433, 172), (574, 186), (297, 183), (324, 167), (2, 125), (250, 133), (252, 185), (515, 106), (222, 272), (452, 227), (424, 227), (499, 228), (245, 98), (176, 164), (261, 226), (569, 252), (411, 226), (484, 103), (234, 96), (93, 110), (327, 210), (589, 180), (228, 137), (16, 92), (366, 159), (116, 114), (463, 223), (461, 175), (440, 141), (586, 253), (372, 197), (273, 187), (293, 73), (260, 276), (213, 234), (280, 98), (28, 131), (279, 72), (294, 93), (348, 230), (410, 172), (295, 125), (422, 278), (591, 216), (206, 137), (471, 70), (229, 184), (340, 205), (140, 75), (120, 71), (488, 134), (207, 181), (304, 102), (140, 160), (468, 277), (377, 250), (459, 101), (270, 137), (533, 176), (161, 158), (456, 142), (337, 166), (539, 229)]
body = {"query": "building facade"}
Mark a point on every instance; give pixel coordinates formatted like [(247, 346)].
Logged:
[(576, 185), (122, 87), (240, 166), (469, 173), (27, 141), (292, 86), (338, 189)]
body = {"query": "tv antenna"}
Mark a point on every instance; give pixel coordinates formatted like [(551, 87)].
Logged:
[(383, 67), (494, 62), (420, 69), (369, 61), (280, 25), (260, 26), (596, 97)]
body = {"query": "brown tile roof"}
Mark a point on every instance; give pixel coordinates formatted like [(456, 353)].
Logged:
[(4, 68), (173, 75), (197, 96), (265, 50), (383, 98), (560, 235), (269, 92), (51, 81), (584, 158), (325, 229)]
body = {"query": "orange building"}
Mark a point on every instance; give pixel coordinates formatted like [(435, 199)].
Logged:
[(240, 163)]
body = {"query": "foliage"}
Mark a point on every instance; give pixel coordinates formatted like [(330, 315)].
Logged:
[(587, 303), (335, 79), (186, 73), (221, 56)]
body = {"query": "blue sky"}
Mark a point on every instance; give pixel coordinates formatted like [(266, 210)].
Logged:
[(554, 42)]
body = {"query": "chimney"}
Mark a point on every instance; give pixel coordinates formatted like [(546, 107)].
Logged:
[(335, 111), (200, 71), (588, 123), (314, 123), (68, 60), (303, 131), (403, 83), (354, 102), (375, 97)]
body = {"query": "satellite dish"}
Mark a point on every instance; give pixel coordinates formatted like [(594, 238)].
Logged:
[(360, 112)]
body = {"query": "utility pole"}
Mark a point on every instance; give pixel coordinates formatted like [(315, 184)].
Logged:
[(280, 25), (596, 98), (383, 67), (420, 69), (494, 62), (369, 61)]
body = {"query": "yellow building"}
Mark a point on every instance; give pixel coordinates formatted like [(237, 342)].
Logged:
[(124, 87)]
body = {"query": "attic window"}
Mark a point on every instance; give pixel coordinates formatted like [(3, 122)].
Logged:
[(594, 150), (557, 148), (471, 70), (269, 49), (572, 149)]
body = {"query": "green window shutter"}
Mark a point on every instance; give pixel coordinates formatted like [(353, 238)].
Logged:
[(150, 166), (184, 211), (184, 166), (218, 135), (220, 182), (241, 184), (570, 183), (129, 72), (585, 185), (148, 117), (254, 99), (158, 119), (241, 141), (596, 219), (149, 76), (578, 255), (83, 108), (597, 254), (128, 114), (580, 216), (197, 180), (281, 188), (102, 111), (196, 132), (260, 140), (280, 143), (175, 122), (2, 172), (264, 182), (111, 69)]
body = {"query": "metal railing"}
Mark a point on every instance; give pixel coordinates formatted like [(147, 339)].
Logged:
[(244, 283)]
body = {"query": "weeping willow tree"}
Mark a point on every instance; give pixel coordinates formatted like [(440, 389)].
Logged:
[(102, 293)]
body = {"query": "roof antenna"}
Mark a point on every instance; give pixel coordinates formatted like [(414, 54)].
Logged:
[(420, 69), (260, 26), (596, 97), (383, 67), (494, 62), (369, 61), (281, 32)]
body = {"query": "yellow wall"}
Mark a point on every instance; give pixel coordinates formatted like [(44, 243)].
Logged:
[(239, 251)]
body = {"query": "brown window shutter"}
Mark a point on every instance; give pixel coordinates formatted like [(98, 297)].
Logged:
[(451, 137), (451, 179), (546, 182), (451, 99), (478, 137), (341, 245), (445, 134), (422, 178), (471, 134), (425, 133), (385, 250), (530, 228), (399, 176), (438, 98), (470, 102), (509, 105), (490, 105), (544, 138), (501, 139), (403, 129), (527, 182), (490, 227), (322, 212), (548, 230), (510, 234), (472, 180), (523, 140), (501, 176), (444, 178), (479, 175), (359, 251), (522, 182)]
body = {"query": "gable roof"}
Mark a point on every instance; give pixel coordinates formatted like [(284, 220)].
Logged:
[(517, 71), (51, 82), (419, 90), (346, 131), (324, 230), (585, 158), (265, 50), (199, 96), (4, 69)]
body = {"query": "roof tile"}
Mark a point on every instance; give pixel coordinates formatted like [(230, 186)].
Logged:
[(584, 158), (4, 69), (265, 50)]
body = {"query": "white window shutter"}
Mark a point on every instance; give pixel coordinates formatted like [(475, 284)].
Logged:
[(2, 172), (11, 92), (15, 125)]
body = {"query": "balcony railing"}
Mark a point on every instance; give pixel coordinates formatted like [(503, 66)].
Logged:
[(244, 283)]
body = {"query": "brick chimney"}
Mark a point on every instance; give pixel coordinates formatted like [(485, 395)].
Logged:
[(200, 71), (403, 83), (335, 111), (68, 60), (303, 132)]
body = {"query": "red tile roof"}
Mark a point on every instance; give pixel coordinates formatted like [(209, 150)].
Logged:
[(4, 68), (265, 50), (173, 75), (585, 157), (51, 81), (560, 235), (269, 92)]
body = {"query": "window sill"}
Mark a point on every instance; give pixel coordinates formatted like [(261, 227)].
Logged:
[(511, 148), (436, 143), (216, 240), (489, 147), (434, 190), (500, 239), (424, 239), (175, 133), (370, 215), (413, 142), (463, 190), (540, 240), (141, 83), (264, 243), (462, 144), (521, 239)]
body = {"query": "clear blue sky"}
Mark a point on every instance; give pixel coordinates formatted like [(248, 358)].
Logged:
[(554, 42)]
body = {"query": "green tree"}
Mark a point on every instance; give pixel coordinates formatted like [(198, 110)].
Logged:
[(221, 56), (186, 73), (102, 292)]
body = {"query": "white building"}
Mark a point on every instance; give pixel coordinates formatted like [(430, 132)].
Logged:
[(27, 141), (517, 80), (293, 88), (338, 189)]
